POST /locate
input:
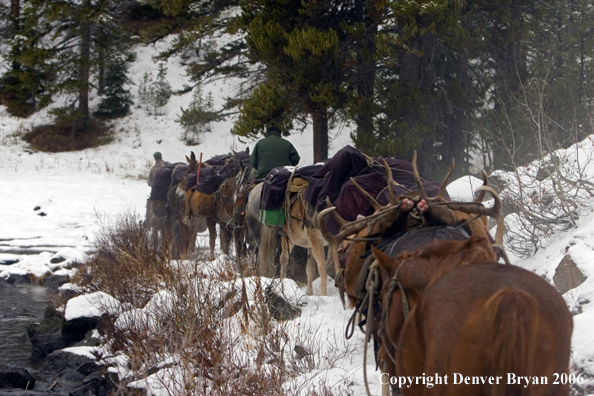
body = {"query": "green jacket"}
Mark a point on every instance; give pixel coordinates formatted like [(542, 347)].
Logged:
[(272, 151)]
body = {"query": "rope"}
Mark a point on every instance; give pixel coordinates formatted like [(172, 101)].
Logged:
[(287, 202), (371, 286), (350, 329)]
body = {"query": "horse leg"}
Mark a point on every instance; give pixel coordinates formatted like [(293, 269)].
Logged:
[(317, 251), (212, 236), (188, 207), (286, 246), (267, 252), (226, 238), (166, 234), (310, 271)]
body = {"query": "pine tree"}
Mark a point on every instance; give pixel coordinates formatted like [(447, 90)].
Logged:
[(160, 91), (117, 99), (299, 45), (197, 117), (58, 42)]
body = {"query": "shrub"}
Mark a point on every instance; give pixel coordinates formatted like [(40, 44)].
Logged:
[(68, 133)]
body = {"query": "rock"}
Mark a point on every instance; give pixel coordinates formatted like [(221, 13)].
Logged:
[(57, 260), (280, 308), (46, 336), (301, 352), (55, 333), (76, 374), (297, 263), (55, 281), (18, 279), (89, 340), (74, 330), (16, 378), (567, 275), (69, 366)]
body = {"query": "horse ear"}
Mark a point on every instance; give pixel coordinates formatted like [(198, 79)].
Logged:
[(193, 156), (247, 150), (187, 159), (386, 263)]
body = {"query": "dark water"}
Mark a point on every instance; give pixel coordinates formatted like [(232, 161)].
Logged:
[(20, 306)]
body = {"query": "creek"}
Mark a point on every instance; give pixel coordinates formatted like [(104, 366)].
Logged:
[(20, 306)]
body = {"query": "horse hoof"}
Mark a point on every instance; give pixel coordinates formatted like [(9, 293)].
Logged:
[(186, 220)]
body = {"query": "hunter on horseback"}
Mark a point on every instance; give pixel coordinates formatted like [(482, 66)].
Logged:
[(271, 152)]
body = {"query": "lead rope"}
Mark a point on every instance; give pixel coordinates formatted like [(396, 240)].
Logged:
[(394, 284), (371, 286)]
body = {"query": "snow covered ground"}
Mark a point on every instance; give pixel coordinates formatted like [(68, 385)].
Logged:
[(51, 204)]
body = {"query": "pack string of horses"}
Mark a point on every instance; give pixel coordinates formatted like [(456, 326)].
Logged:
[(433, 291)]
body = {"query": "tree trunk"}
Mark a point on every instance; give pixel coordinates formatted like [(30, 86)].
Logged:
[(85, 64), (320, 134), (367, 13), (15, 12)]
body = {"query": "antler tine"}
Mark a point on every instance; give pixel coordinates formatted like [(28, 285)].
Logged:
[(417, 176), (335, 214), (346, 230), (444, 184), (482, 193), (495, 212), (390, 183), (333, 240), (371, 200)]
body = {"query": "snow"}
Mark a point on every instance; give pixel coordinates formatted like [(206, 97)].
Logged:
[(91, 305), (78, 191)]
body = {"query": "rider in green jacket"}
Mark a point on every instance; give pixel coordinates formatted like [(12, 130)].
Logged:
[(271, 152)]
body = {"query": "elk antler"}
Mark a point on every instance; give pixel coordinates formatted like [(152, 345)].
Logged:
[(417, 176), (347, 228), (444, 183), (481, 195), (371, 200), (441, 195), (495, 212)]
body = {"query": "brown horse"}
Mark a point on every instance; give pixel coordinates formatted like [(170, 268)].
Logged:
[(216, 208), (184, 235), (203, 207), (449, 309), (350, 247)]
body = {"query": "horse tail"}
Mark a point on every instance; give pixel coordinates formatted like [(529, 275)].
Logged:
[(512, 320), (267, 252)]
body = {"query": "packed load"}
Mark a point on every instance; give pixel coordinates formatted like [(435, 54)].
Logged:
[(340, 181), (215, 171)]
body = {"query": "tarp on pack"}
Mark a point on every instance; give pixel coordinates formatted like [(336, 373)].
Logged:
[(275, 184), (329, 179)]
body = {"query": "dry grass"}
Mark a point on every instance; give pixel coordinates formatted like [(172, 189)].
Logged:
[(191, 330)]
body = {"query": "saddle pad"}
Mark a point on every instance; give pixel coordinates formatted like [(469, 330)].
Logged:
[(298, 184)]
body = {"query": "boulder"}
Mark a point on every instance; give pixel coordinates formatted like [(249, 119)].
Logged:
[(77, 374), (75, 330), (567, 275), (55, 281), (11, 377), (18, 279), (46, 336), (280, 308)]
